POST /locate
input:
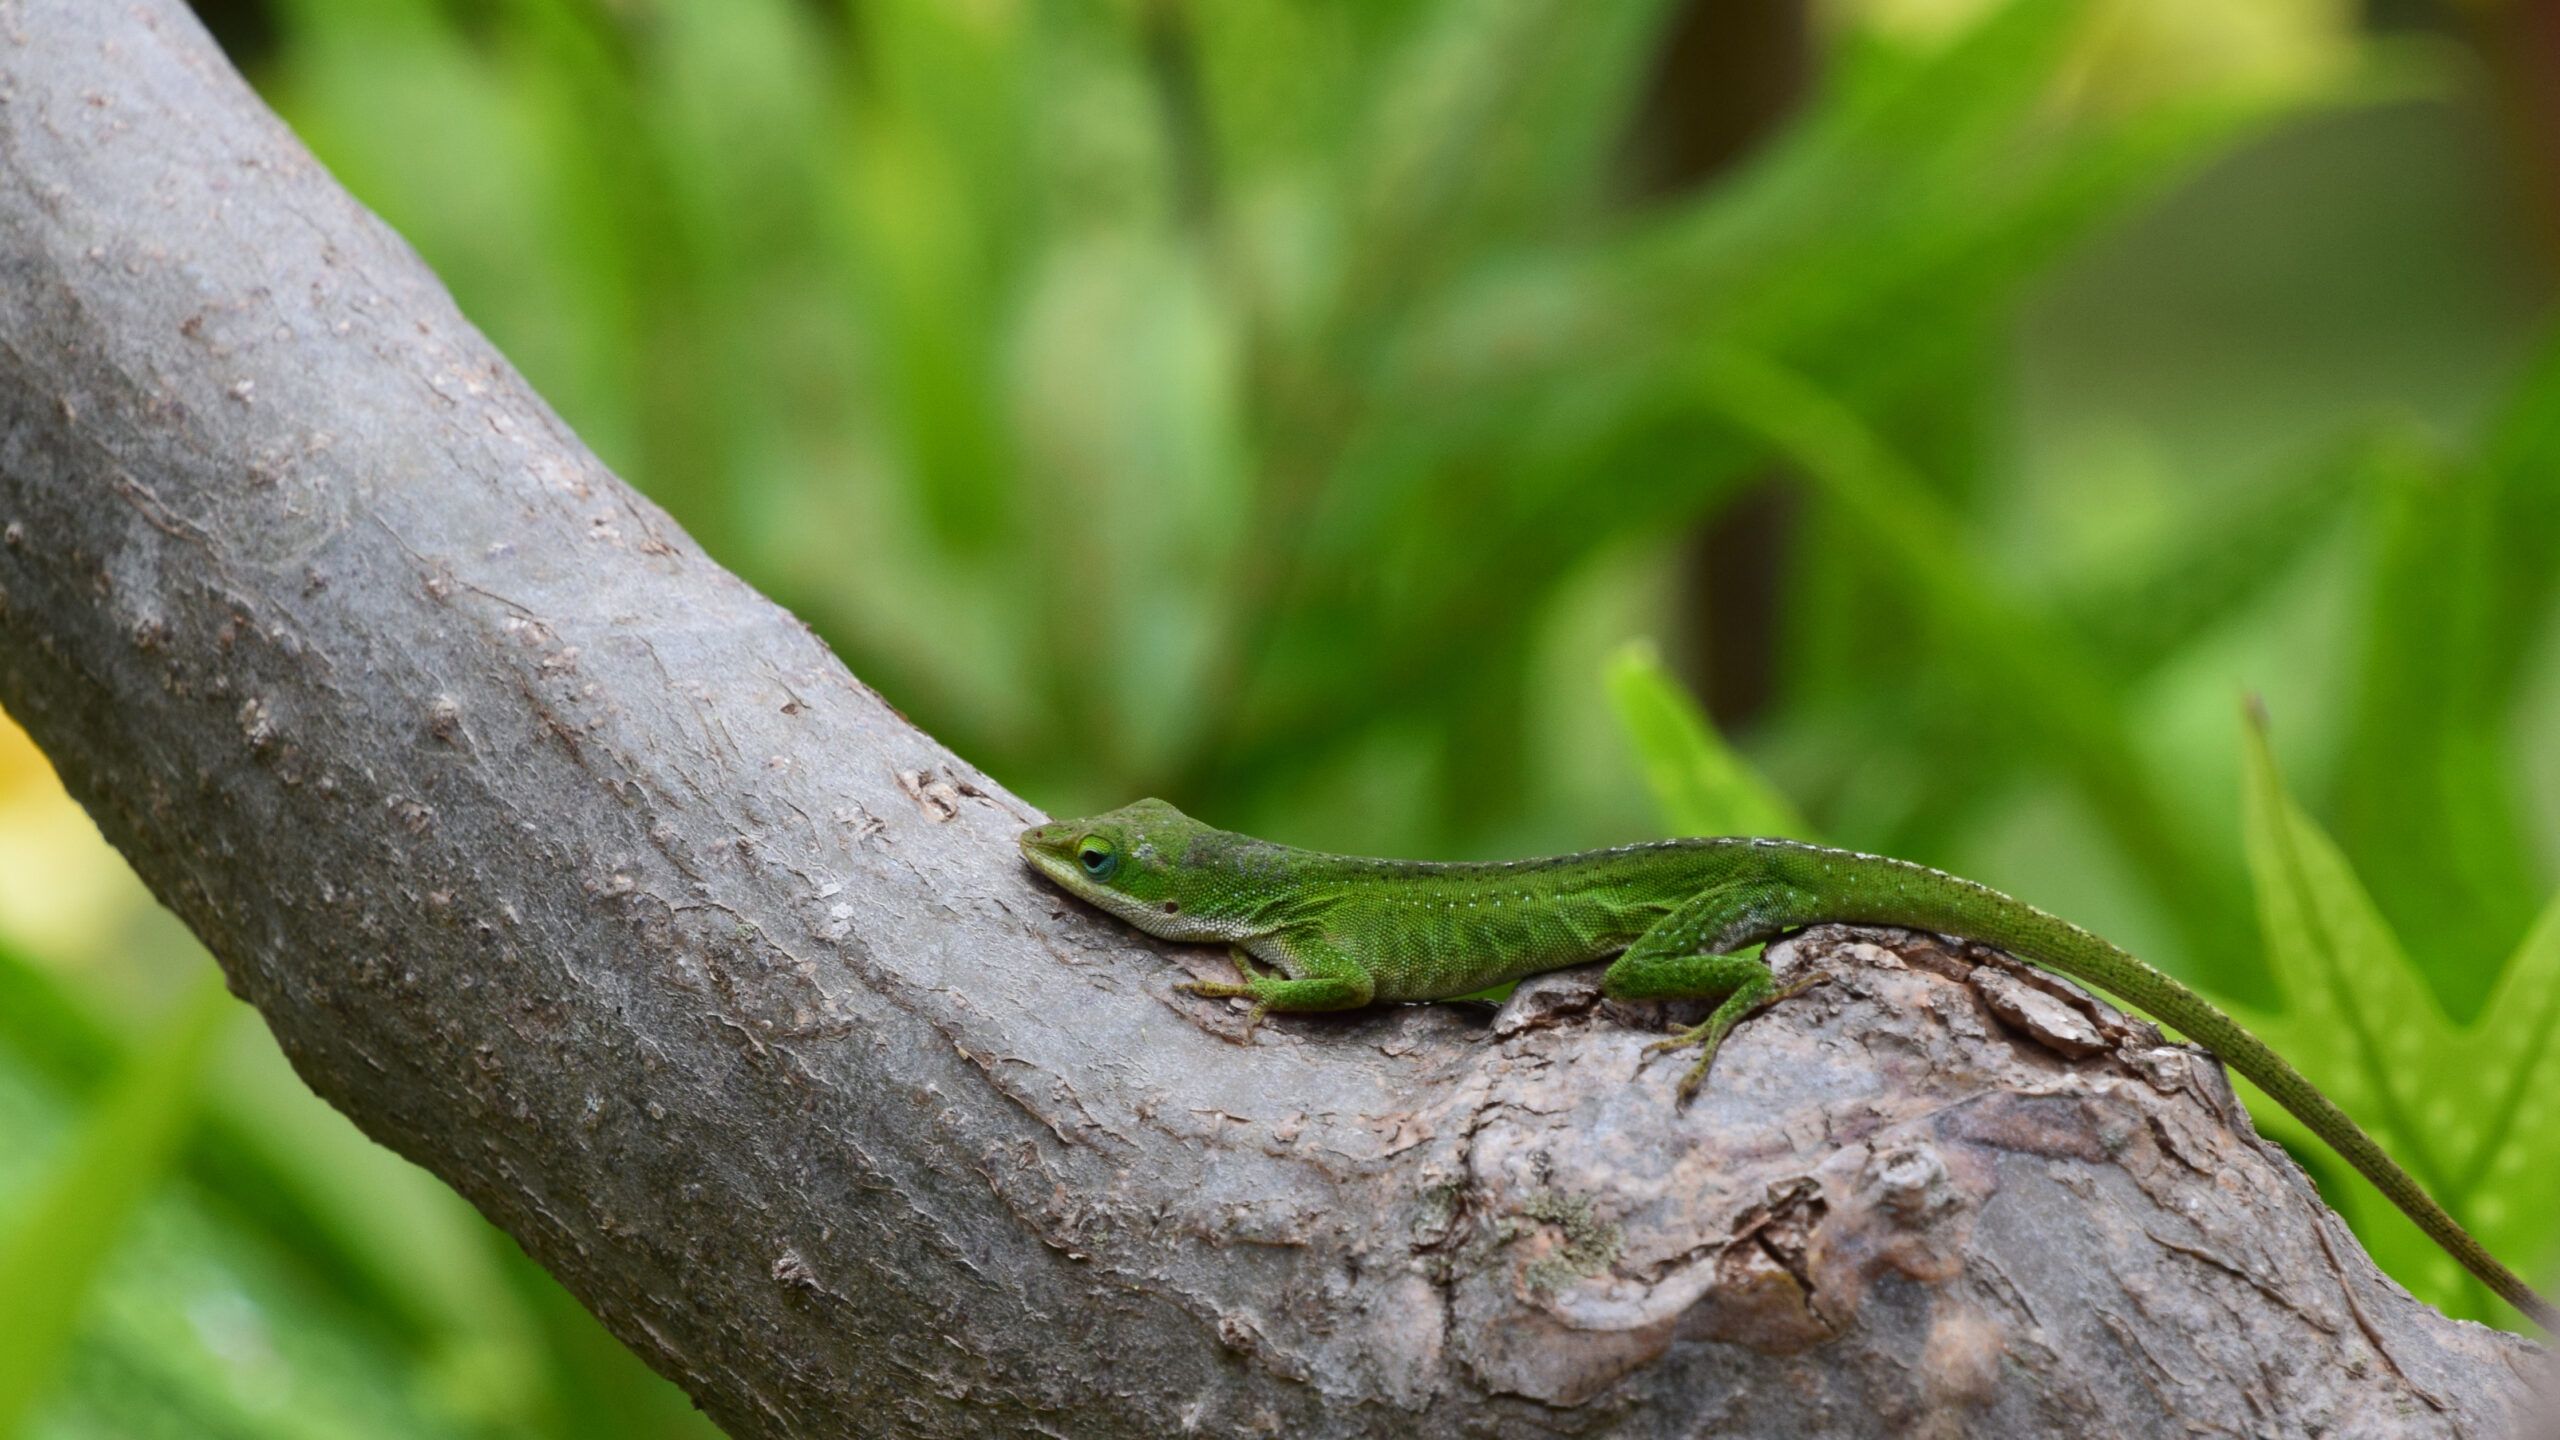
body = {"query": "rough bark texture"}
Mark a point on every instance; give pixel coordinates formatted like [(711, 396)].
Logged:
[(578, 872)]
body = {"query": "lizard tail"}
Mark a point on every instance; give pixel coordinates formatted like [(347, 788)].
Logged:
[(1897, 892), (2114, 970)]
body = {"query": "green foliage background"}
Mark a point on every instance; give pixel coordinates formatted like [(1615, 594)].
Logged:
[(1288, 407)]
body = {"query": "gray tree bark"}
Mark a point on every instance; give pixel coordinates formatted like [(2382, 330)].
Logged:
[(579, 873)]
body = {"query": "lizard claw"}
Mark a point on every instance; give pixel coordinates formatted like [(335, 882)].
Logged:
[(1696, 1079), (1793, 988), (1227, 990), (1706, 1037), (1681, 1040), (1212, 989)]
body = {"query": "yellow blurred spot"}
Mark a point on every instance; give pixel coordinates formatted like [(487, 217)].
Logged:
[(2140, 52), (1912, 19), (2143, 52), (61, 885)]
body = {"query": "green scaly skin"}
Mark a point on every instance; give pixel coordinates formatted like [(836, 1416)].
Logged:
[(1344, 932)]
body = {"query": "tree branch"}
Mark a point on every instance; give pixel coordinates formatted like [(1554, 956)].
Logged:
[(579, 873)]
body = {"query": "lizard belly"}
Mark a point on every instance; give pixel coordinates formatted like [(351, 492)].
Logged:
[(1464, 948)]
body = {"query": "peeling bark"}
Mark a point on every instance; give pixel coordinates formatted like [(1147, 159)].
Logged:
[(579, 873)]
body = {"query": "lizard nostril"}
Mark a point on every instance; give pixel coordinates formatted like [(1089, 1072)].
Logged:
[(1173, 907)]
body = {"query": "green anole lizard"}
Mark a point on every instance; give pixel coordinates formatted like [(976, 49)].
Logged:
[(1344, 932)]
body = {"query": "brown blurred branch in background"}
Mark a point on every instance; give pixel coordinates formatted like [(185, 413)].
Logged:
[(1730, 73)]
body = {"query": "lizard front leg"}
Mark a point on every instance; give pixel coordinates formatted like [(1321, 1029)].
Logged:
[(1320, 976), (1243, 984)]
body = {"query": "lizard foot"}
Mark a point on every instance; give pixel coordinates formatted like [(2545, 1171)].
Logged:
[(1228, 990), (1213, 989), (1708, 1036)]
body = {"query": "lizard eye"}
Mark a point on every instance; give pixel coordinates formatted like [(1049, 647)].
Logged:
[(1097, 857)]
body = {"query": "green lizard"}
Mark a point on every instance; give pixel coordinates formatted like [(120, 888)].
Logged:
[(1344, 932)]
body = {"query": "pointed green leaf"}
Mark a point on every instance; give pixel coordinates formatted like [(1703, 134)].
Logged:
[(1701, 786), (2425, 799), (2367, 1030), (2364, 1026)]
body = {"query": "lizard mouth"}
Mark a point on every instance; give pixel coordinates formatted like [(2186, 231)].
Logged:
[(1048, 848)]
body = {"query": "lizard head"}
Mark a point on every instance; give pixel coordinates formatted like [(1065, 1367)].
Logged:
[(1144, 863)]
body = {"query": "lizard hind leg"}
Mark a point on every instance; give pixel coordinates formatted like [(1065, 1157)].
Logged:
[(1756, 994), (1678, 959)]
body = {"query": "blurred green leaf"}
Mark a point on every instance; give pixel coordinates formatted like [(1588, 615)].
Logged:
[(2513, 1172), (1700, 784), (51, 1255), (1891, 223), (200, 1325), (361, 1221), (2427, 784), (363, 1228), (2360, 1017), (2464, 1108), (2520, 470), (2234, 552), (2019, 659)]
